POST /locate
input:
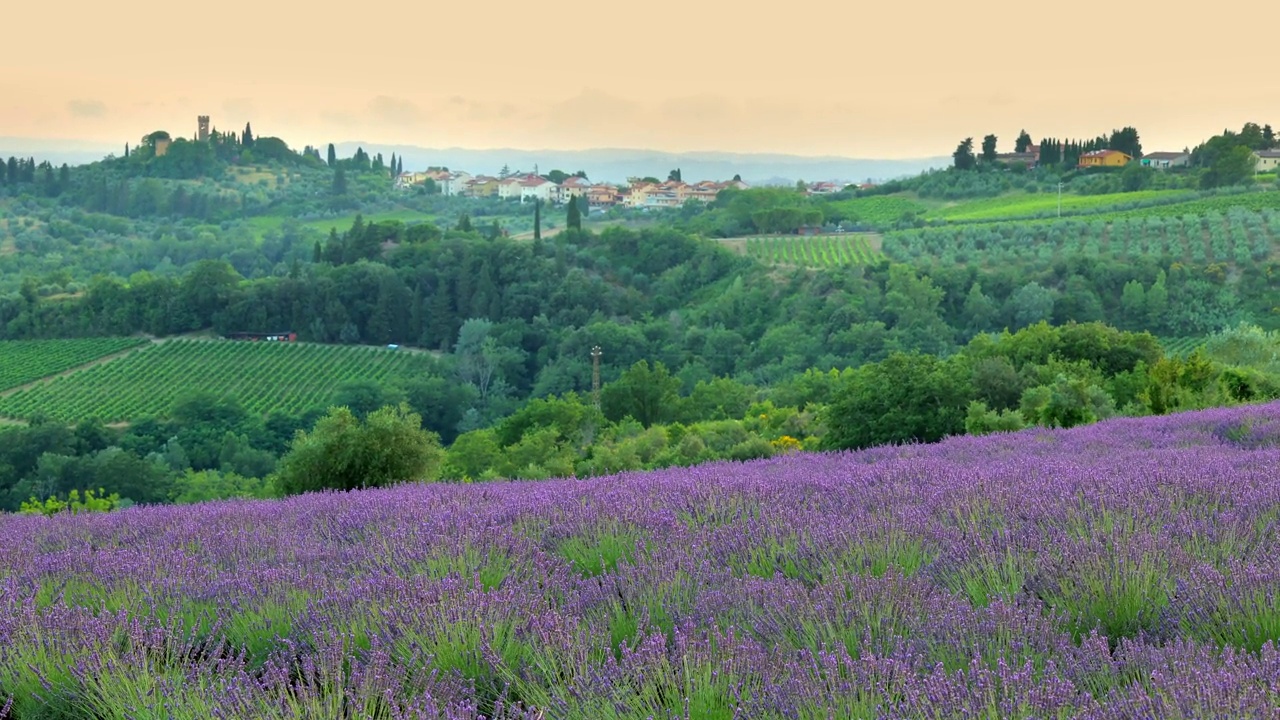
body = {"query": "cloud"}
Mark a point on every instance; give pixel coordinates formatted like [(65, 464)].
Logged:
[(395, 111), (87, 108)]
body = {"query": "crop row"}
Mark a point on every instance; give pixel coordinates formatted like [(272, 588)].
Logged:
[(1181, 347), (814, 252), (1255, 201), (262, 376), (1012, 206), (1238, 236), (877, 210), (23, 361)]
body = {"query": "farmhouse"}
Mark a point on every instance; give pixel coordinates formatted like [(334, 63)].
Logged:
[(481, 186), (453, 183), (509, 187), (1268, 160), (603, 196), (573, 186), (286, 336), (1165, 160), (535, 187), (1028, 158), (823, 188), (1104, 158)]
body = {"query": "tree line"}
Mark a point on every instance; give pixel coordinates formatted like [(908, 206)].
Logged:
[(373, 434)]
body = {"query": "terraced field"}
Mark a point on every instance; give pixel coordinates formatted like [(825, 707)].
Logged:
[(825, 251), (24, 361), (263, 376)]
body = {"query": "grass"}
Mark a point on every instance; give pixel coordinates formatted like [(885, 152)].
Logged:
[(341, 223), (1022, 204)]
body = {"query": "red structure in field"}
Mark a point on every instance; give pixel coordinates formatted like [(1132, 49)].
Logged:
[(264, 337)]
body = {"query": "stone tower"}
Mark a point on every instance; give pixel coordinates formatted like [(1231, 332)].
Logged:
[(202, 122)]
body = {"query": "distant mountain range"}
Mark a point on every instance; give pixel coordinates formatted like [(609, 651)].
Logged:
[(603, 165), (616, 165), (57, 152)]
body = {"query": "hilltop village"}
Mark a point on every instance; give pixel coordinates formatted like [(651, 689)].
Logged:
[(527, 187)]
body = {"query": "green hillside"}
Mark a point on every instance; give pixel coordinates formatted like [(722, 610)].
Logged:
[(1238, 237), (263, 376), (1022, 204)]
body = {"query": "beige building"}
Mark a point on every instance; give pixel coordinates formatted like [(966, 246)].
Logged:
[(1165, 160), (1268, 160), (573, 186)]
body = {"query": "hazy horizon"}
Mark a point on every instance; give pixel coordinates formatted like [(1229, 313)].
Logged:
[(906, 81)]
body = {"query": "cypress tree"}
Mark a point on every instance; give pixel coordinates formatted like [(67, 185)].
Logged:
[(537, 219), (574, 219), (247, 139), (333, 155)]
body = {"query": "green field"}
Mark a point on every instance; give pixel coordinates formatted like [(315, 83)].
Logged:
[(263, 376), (826, 251), (1025, 205), (1238, 236), (23, 361), (1263, 200), (341, 223), (877, 210)]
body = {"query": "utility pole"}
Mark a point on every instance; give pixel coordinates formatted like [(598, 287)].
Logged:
[(595, 375)]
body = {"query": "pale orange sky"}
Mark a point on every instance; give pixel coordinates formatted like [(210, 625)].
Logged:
[(887, 79)]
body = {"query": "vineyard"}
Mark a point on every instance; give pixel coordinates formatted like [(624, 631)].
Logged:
[(826, 251), (1180, 347), (262, 376), (24, 361), (1237, 236), (879, 211)]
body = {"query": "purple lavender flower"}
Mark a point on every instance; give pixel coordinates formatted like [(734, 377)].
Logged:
[(1127, 569)]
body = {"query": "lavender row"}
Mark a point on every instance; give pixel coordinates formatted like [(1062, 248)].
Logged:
[(1124, 569)]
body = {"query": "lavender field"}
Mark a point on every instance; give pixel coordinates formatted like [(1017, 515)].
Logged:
[(1130, 569)]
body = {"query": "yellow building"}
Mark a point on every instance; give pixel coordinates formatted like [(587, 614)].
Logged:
[(1104, 158), (482, 186)]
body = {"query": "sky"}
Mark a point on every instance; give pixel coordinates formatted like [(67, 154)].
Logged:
[(901, 79)]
